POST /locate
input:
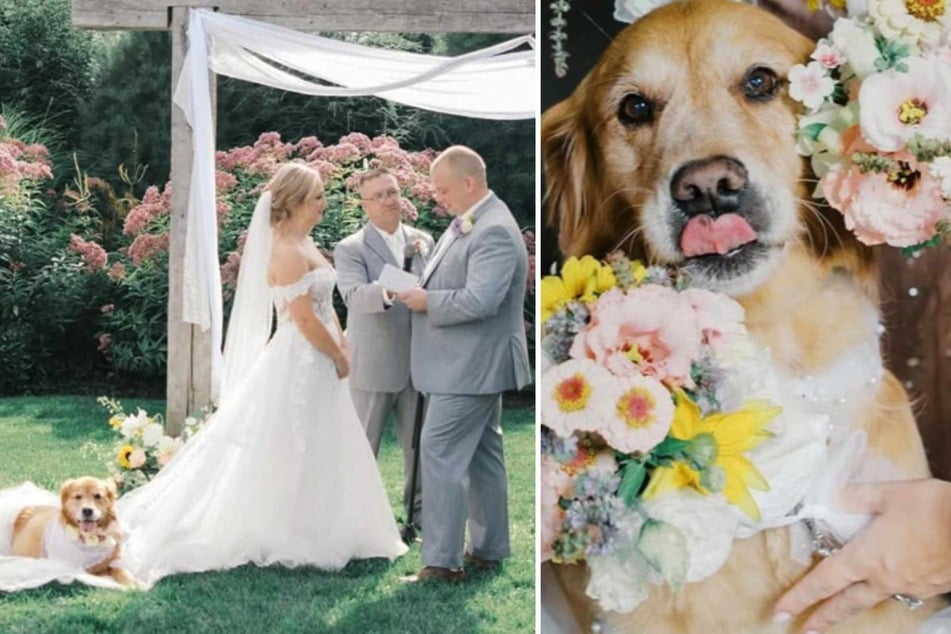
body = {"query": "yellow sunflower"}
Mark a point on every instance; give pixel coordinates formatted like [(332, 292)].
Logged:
[(718, 444), (124, 452), (583, 279)]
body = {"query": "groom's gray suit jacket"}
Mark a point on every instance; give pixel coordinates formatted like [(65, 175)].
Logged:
[(471, 339), (379, 335)]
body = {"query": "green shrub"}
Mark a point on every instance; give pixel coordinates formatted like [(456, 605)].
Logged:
[(51, 280)]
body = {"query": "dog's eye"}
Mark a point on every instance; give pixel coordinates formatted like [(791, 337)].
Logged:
[(760, 84), (98, 496), (78, 496), (635, 110)]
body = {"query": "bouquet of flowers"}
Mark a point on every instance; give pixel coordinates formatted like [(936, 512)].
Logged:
[(143, 448), (647, 427), (878, 126)]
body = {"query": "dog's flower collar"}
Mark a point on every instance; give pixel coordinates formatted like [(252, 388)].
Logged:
[(88, 539)]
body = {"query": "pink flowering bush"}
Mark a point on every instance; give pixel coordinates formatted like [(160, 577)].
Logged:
[(139, 268), (52, 261), (84, 270)]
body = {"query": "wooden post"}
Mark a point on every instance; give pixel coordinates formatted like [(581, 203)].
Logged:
[(188, 383)]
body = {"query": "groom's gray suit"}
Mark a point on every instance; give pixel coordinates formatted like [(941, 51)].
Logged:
[(468, 347), (379, 337)]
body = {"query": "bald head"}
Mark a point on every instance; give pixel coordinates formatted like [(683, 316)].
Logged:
[(458, 175), (462, 162)]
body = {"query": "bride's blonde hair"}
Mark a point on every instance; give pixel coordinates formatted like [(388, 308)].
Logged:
[(290, 186)]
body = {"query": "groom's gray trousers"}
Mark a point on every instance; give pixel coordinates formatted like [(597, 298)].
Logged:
[(464, 475)]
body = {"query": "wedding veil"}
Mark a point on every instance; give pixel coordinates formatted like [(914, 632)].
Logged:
[(251, 315)]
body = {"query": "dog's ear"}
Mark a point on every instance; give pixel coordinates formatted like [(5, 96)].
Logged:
[(111, 489), (64, 490), (570, 179)]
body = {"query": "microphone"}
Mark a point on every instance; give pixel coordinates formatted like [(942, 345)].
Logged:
[(409, 251)]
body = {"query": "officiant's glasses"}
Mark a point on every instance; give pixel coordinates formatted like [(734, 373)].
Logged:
[(383, 195)]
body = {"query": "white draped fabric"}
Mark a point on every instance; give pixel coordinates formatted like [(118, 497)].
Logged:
[(492, 83)]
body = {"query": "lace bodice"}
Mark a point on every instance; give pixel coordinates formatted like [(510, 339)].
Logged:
[(319, 283)]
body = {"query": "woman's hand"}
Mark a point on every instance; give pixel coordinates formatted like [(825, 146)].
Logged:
[(905, 549), (342, 362)]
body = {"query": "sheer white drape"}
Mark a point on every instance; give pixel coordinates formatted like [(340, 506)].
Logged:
[(492, 83)]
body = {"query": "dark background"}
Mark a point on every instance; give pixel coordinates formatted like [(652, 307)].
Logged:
[(591, 27)]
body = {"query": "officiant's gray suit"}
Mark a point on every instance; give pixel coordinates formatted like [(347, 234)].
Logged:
[(468, 347), (379, 337)]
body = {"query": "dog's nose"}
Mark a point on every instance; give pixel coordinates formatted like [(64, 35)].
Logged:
[(87, 512), (709, 186)]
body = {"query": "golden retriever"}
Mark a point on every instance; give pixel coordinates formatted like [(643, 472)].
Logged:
[(83, 529), (678, 147)]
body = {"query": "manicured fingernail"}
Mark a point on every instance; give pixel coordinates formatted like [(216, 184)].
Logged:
[(813, 632), (782, 617)]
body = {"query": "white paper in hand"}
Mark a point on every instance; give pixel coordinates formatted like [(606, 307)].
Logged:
[(397, 280)]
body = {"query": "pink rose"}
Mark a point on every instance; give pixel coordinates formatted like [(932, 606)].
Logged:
[(878, 211), (137, 458), (651, 330), (717, 315)]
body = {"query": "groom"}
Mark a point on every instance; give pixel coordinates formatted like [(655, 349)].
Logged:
[(468, 347), (377, 328)]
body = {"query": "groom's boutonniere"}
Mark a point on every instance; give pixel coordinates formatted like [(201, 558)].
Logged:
[(461, 225)]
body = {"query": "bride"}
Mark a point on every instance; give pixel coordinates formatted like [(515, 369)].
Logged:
[(282, 473)]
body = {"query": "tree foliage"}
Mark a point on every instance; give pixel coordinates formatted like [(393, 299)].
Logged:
[(46, 66), (127, 118)]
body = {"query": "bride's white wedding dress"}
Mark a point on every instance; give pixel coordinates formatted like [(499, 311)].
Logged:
[(282, 473)]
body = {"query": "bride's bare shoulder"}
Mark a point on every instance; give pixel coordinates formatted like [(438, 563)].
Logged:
[(288, 264)]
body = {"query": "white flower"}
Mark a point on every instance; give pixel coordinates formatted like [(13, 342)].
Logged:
[(857, 43), (421, 248), (707, 524), (941, 169), (618, 580), (167, 447), (133, 423), (664, 546), (577, 395), (895, 106), (856, 7), (641, 416), (190, 421), (810, 84), (630, 10), (911, 21), (828, 56), (152, 434)]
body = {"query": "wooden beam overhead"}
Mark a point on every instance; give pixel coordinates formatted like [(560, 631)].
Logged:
[(416, 16)]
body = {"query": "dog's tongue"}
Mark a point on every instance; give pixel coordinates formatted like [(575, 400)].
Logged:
[(703, 235), (87, 526)]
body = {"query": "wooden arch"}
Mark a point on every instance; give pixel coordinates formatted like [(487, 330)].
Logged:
[(188, 386)]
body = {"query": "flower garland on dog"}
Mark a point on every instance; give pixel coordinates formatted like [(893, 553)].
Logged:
[(647, 427)]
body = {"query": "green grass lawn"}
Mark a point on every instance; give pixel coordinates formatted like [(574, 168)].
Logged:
[(40, 440)]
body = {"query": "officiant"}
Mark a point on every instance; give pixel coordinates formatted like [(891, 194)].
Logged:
[(378, 329)]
